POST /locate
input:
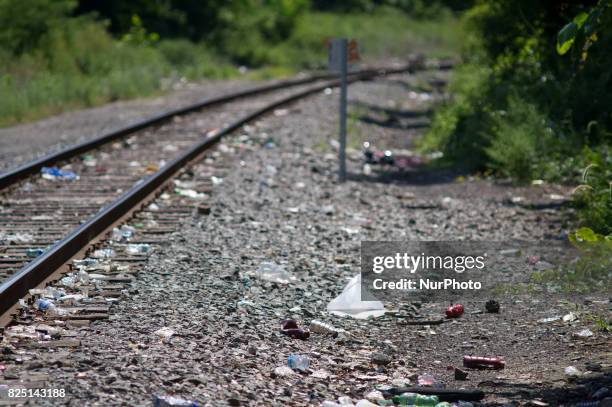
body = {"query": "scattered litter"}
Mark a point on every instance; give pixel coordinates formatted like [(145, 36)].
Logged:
[(189, 193), (153, 207), (492, 306), (283, 371), (165, 333), (281, 112), (571, 371), (72, 299), (216, 180), (549, 319), (459, 374), (140, 248), (50, 308), (54, 173), (349, 302), (414, 399), (47, 292), (533, 260), (323, 328), (585, 333), (42, 304), (89, 160), (454, 311), (328, 210), (106, 253), (87, 262), (122, 234), (12, 238), (273, 272), (399, 159), (34, 252), (299, 362), (172, 401), (481, 362), (571, 317), (290, 328), (427, 379)]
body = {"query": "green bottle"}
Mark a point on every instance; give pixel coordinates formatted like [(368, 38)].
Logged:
[(444, 404), (413, 399)]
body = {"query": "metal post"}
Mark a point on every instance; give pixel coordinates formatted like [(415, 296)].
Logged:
[(343, 74)]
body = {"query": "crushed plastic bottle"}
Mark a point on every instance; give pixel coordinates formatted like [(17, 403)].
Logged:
[(273, 272), (123, 234), (34, 252), (50, 308), (299, 362), (43, 305), (414, 399), (54, 173), (323, 328), (172, 401), (349, 302), (106, 253), (140, 248)]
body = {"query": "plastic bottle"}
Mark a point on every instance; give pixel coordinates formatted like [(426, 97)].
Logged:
[(414, 399), (300, 362), (323, 328), (35, 252)]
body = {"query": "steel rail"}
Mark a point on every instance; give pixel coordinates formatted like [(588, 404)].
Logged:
[(45, 265)]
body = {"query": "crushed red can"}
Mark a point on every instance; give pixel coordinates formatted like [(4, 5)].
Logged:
[(454, 311), (482, 362), (289, 324), (290, 328), (297, 333)]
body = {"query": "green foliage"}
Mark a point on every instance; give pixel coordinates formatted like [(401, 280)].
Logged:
[(60, 54), (584, 28), (519, 137), (510, 44), (593, 198), (23, 26)]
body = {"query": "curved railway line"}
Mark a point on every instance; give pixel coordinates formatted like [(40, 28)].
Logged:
[(52, 223)]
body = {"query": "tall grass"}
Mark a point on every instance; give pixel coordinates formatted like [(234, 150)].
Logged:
[(77, 63)]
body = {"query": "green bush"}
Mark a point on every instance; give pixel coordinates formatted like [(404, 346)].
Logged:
[(593, 198)]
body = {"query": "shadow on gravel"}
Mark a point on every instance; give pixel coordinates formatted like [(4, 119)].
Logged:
[(412, 176), (581, 390), (408, 114)]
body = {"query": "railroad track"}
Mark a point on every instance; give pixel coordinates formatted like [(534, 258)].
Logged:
[(48, 223)]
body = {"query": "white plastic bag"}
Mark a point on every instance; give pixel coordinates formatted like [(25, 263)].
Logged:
[(349, 302)]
